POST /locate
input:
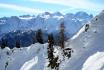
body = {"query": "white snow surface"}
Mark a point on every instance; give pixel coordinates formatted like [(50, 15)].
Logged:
[(29, 64), (87, 43), (94, 62), (78, 33), (29, 58)]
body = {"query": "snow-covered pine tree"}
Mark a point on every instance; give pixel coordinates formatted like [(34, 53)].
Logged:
[(53, 61)]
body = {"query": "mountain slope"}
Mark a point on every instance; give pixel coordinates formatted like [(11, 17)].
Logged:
[(94, 62), (86, 43), (28, 58)]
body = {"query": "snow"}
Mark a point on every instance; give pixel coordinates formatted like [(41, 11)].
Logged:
[(87, 43), (87, 46), (23, 59), (26, 18), (78, 33), (94, 62), (29, 64)]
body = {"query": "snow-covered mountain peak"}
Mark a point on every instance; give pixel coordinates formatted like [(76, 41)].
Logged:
[(69, 15), (48, 22), (57, 14), (27, 17), (46, 13), (14, 17), (95, 24), (82, 15)]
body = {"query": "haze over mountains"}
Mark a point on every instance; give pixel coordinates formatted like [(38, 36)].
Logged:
[(25, 26), (45, 21)]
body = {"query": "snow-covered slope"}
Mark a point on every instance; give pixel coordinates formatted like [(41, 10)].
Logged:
[(95, 62), (33, 57), (86, 43), (29, 58), (46, 21)]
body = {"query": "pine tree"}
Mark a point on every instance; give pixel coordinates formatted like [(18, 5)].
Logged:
[(50, 50), (18, 44), (50, 40), (62, 36), (39, 36), (50, 46), (53, 61), (33, 39), (3, 43)]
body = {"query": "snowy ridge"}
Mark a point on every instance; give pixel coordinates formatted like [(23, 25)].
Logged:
[(78, 33)]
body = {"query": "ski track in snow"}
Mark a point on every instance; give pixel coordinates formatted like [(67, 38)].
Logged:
[(29, 64)]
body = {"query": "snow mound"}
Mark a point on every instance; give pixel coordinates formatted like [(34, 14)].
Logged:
[(29, 64), (94, 62)]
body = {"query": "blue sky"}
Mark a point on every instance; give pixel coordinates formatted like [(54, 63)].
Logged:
[(21, 7)]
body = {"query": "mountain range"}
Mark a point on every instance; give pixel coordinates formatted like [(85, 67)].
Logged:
[(24, 27)]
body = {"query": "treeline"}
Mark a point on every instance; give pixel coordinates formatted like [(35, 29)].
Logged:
[(38, 37), (29, 37), (4, 43)]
